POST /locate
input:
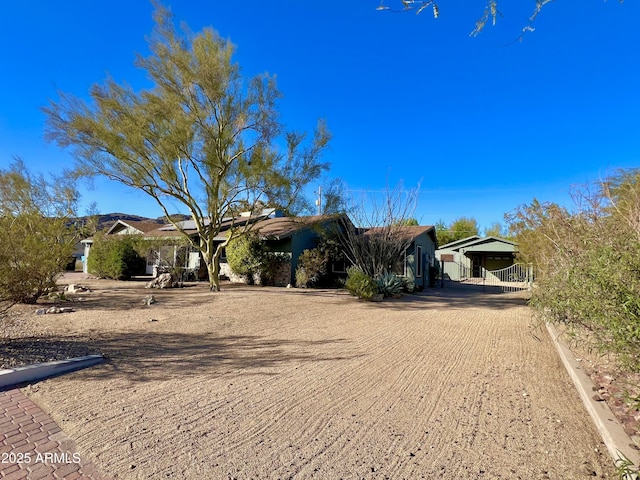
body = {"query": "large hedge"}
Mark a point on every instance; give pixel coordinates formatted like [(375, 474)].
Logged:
[(116, 257)]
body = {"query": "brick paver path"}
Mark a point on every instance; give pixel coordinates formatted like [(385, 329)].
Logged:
[(32, 445)]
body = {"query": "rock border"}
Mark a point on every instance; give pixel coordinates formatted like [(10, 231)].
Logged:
[(39, 371), (611, 430)]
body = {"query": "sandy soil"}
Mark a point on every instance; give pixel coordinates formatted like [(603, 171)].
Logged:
[(259, 382)]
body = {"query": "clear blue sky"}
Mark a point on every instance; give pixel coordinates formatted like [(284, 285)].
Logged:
[(483, 126)]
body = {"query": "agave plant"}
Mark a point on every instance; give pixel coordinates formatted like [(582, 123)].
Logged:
[(389, 284)]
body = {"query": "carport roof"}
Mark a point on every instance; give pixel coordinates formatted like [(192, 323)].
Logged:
[(478, 244)]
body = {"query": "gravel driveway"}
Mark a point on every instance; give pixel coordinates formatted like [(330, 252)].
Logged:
[(266, 382)]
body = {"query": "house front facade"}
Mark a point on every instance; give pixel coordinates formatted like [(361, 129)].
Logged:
[(475, 257)]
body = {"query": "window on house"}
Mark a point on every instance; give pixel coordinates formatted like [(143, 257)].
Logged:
[(339, 266), (418, 261), (400, 267)]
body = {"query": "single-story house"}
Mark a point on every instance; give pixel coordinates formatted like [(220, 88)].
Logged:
[(287, 235), (290, 236), (474, 256)]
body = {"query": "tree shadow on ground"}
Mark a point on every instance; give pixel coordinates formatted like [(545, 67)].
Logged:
[(130, 297), (149, 356), (455, 298)]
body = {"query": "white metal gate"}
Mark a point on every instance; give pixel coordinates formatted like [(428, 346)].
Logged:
[(515, 278)]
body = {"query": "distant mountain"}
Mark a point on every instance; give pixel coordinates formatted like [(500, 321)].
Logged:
[(108, 219)]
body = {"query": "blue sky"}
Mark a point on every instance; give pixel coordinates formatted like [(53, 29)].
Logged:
[(482, 123)]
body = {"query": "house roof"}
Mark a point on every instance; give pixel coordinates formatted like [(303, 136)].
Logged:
[(481, 244), (141, 226), (275, 228), (457, 243), (284, 227), (408, 232)]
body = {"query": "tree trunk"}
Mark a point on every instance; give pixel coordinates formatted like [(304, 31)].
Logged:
[(213, 269), (212, 260)]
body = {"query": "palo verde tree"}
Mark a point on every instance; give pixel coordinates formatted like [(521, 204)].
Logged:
[(490, 14), (202, 137), (37, 233)]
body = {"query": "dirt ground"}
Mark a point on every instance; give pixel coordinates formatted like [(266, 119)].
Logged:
[(259, 382)]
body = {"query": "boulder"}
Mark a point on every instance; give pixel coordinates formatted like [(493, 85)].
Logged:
[(164, 280), (52, 310), (73, 288)]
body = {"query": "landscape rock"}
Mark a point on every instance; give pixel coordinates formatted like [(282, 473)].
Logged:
[(53, 310), (149, 300), (164, 280), (73, 288)]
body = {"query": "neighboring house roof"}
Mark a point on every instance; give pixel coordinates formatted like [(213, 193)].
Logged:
[(484, 244), (457, 243), (133, 226)]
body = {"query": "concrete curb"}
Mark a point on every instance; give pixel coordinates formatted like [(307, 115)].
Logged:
[(610, 429), (39, 371)]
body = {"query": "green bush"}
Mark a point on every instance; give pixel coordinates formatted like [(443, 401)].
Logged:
[(360, 284), (116, 258), (390, 284), (312, 266), (248, 256), (243, 255)]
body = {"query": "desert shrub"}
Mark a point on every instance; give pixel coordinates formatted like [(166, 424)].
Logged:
[(408, 286), (587, 263), (33, 252), (600, 290), (302, 278), (360, 284), (389, 284), (269, 264), (312, 266), (242, 255), (247, 255), (116, 257), (36, 232)]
